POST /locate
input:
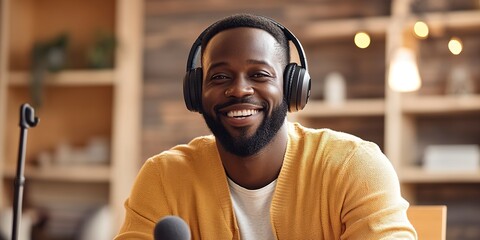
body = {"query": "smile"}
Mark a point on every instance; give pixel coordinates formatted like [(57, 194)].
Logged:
[(242, 113)]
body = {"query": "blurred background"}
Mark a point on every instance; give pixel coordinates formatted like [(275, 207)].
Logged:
[(105, 78)]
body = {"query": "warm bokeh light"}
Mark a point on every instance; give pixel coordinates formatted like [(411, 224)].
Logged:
[(455, 45), (362, 40), (421, 29), (403, 75)]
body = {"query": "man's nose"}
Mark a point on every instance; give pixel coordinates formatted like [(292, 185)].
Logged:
[(239, 88)]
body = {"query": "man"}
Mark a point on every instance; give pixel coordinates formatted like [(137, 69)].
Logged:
[(259, 176)]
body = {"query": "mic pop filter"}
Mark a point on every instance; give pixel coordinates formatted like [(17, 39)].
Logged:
[(171, 228)]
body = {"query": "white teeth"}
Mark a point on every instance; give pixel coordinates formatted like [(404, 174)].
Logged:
[(242, 113)]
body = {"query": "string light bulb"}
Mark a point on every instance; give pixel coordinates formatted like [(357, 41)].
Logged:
[(455, 45), (403, 75), (421, 29), (362, 40)]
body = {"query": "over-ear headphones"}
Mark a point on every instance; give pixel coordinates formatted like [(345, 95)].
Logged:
[(296, 87)]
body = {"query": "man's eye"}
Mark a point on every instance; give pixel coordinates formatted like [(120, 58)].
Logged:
[(260, 75), (219, 77)]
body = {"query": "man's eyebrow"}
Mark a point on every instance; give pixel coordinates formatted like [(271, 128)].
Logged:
[(250, 61), (253, 61), (218, 64)]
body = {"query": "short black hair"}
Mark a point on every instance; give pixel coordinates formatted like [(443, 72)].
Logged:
[(252, 21)]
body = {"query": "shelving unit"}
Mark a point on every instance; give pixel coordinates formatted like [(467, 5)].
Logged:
[(67, 78), (329, 47), (404, 124), (401, 111), (78, 174), (423, 113), (344, 28), (431, 116), (418, 113), (79, 104), (350, 108), (440, 104), (414, 175)]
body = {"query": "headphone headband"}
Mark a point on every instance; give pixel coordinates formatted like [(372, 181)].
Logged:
[(295, 41), (194, 53)]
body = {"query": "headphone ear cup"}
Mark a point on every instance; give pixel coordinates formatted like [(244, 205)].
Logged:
[(304, 89), (287, 83), (299, 87), (186, 91), (192, 89)]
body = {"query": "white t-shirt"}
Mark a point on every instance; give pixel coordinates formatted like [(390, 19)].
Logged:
[(252, 210)]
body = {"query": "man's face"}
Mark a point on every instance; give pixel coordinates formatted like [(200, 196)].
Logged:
[(242, 95)]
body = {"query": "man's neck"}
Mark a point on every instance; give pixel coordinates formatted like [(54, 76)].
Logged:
[(260, 169)]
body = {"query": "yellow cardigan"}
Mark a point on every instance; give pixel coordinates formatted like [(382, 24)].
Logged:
[(332, 186)]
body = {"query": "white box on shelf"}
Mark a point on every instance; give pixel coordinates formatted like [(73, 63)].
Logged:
[(452, 158)]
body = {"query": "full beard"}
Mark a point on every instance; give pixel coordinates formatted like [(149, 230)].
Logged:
[(243, 145)]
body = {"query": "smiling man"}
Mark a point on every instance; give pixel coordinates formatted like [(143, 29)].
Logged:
[(260, 176)]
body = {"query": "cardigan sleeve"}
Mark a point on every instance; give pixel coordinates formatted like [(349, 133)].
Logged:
[(145, 203), (373, 206)]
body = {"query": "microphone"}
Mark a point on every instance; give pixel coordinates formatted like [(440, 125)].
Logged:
[(171, 228)]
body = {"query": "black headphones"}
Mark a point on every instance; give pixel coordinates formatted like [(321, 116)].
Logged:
[(297, 82)]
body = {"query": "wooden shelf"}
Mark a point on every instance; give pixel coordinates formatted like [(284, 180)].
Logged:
[(332, 29), (67, 78), (420, 175), (440, 104), (438, 21), (350, 108), (86, 174)]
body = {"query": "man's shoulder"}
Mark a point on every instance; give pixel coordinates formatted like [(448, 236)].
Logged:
[(326, 135), (331, 145), (197, 148)]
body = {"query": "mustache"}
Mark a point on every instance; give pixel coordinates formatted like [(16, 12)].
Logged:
[(233, 101)]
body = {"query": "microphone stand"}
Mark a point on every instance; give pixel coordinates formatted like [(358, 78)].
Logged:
[(27, 120)]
